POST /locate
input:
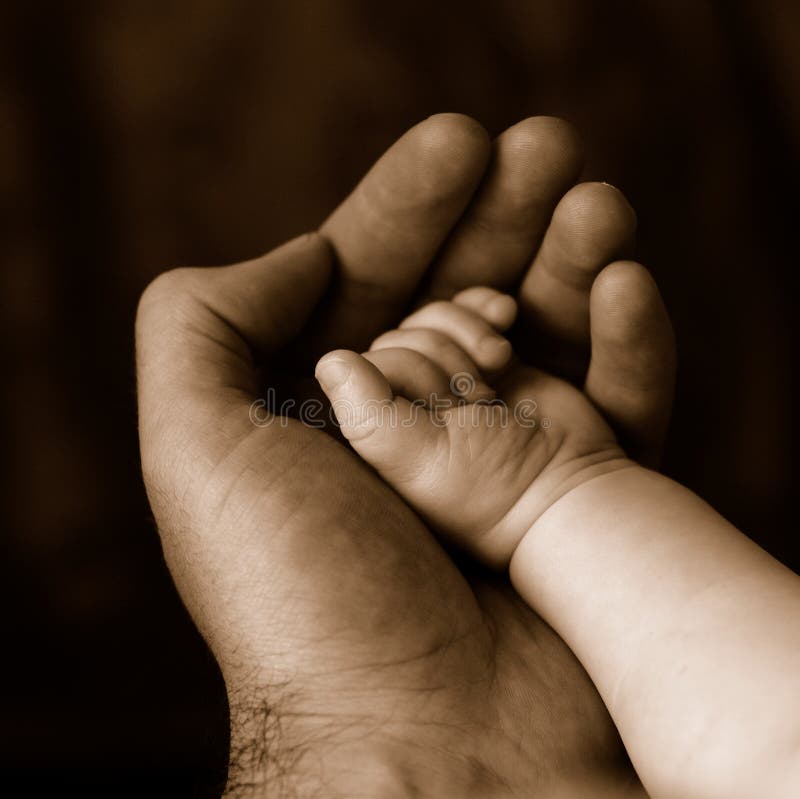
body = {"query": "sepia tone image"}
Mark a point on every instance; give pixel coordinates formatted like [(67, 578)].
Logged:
[(399, 399)]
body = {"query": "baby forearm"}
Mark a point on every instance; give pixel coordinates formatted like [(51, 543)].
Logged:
[(689, 630)]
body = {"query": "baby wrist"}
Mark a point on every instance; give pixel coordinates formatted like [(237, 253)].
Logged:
[(554, 489)]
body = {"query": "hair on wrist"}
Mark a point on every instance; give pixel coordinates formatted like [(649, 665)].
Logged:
[(261, 763)]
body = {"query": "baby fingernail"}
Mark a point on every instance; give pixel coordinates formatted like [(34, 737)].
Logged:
[(331, 374)]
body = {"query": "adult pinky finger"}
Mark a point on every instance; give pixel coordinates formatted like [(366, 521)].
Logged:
[(631, 375)]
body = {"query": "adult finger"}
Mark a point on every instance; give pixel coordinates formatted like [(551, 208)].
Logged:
[(533, 163), (387, 232), (592, 225), (498, 309), (631, 375)]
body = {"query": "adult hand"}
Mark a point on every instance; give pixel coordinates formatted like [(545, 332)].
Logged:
[(359, 660)]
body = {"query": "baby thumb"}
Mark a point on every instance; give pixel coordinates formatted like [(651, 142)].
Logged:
[(358, 392), (387, 431)]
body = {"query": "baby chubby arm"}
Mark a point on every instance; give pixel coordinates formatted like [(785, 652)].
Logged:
[(689, 630)]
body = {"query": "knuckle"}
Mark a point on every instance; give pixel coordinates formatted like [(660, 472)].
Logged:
[(435, 308), (171, 282), (167, 288), (422, 363), (433, 339), (384, 341), (168, 302)]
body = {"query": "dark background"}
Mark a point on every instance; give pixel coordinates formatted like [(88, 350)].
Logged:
[(137, 135)]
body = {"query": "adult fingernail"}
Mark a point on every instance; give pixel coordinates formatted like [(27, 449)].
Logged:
[(331, 374)]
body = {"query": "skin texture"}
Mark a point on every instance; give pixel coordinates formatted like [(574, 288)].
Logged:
[(701, 680), (359, 659), (480, 473)]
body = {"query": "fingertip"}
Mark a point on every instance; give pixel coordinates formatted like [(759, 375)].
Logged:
[(333, 370), (502, 311), (450, 132), (551, 136), (625, 306), (600, 205), (346, 373), (496, 308), (447, 153), (593, 224), (359, 393)]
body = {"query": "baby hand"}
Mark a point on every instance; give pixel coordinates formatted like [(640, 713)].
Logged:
[(479, 466)]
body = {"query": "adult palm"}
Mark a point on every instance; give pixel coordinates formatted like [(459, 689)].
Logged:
[(359, 659)]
